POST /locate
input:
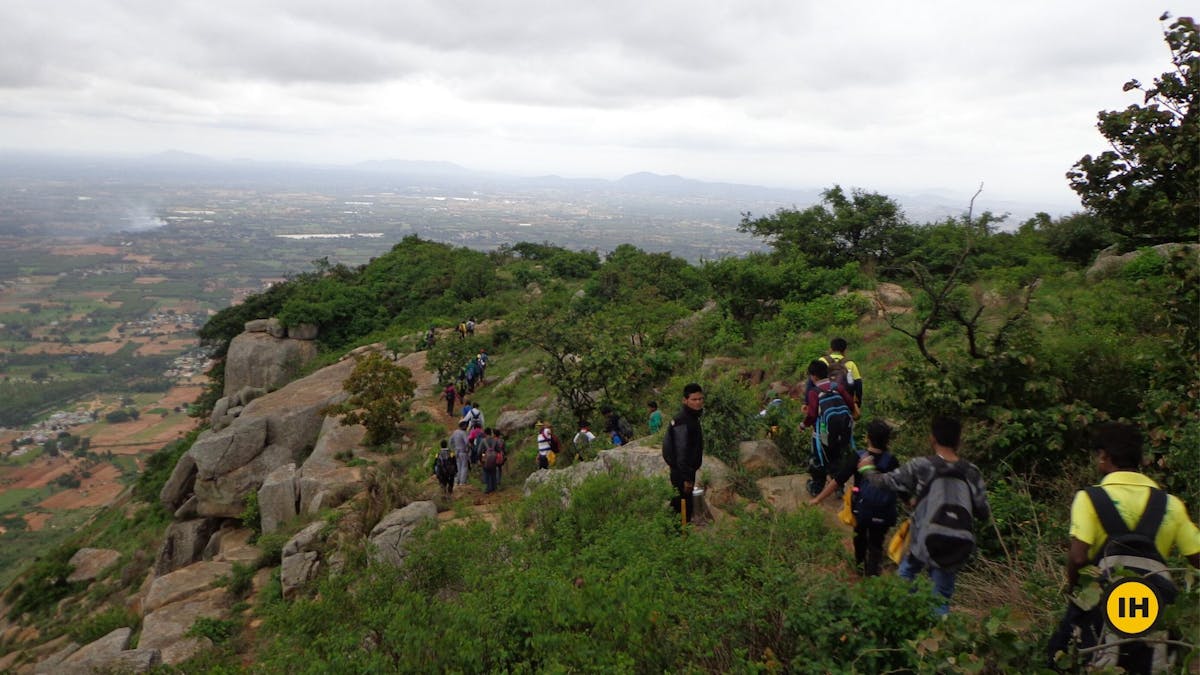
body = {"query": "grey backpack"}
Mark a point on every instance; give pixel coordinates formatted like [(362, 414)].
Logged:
[(947, 523)]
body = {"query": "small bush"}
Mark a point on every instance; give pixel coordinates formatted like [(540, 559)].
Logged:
[(104, 623), (217, 630)]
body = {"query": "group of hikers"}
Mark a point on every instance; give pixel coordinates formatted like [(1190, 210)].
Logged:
[(468, 379), (1127, 521), (470, 444)]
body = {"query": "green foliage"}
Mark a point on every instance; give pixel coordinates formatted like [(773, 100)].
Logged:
[(1148, 186), (158, 468), (44, 584), (824, 312), (1147, 264), (730, 416), (380, 395), (102, 624), (449, 356), (217, 630), (251, 516), (239, 581), (864, 226), (593, 588)]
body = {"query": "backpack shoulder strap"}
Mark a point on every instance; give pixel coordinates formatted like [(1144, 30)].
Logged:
[(1110, 520), (1152, 517)]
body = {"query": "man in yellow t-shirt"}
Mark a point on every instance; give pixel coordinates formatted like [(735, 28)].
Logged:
[(853, 379), (1119, 457)]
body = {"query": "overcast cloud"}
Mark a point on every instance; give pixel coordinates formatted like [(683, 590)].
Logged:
[(884, 95)]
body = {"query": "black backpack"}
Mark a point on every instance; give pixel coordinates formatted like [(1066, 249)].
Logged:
[(444, 466), (947, 522), (873, 504), (1132, 553), (624, 430)]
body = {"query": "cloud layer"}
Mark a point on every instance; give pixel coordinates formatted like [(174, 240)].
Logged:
[(884, 95)]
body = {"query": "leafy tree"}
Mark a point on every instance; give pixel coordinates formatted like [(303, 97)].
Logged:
[(1075, 238), (860, 227), (1148, 186), (380, 393)]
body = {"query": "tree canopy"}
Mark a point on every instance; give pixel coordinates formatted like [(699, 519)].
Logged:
[(1147, 187)]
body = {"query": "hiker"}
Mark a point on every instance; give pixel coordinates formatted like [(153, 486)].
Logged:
[(490, 459), (656, 418), (482, 359), (842, 369), (445, 468), (471, 326), (683, 448), (474, 435), (458, 445), (462, 330), (472, 374), (546, 442), (616, 427), (430, 338), (582, 441), (1130, 516), (451, 396), (502, 448), (829, 412), (472, 415), (950, 494), (874, 508)]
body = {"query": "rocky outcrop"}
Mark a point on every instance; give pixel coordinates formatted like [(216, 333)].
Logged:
[(90, 562), (183, 583), (223, 467), (165, 628), (390, 535), (302, 557), (106, 655), (1111, 261), (785, 493), (512, 421), (760, 455), (632, 459), (277, 497), (264, 360), (184, 544), (324, 481)]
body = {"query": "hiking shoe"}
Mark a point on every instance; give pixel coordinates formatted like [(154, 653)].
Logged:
[(813, 490)]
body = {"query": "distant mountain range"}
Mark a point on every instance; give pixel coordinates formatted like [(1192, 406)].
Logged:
[(175, 167)]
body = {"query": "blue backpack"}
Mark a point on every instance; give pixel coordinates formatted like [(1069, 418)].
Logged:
[(835, 426), (872, 504)]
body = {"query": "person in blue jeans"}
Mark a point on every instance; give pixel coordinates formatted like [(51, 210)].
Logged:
[(916, 478)]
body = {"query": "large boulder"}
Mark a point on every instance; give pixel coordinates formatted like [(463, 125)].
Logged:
[(183, 583), (785, 493), (90, 562), (301, 559), (390, 534), (264, 360), (184, 544), (324, 481), (761, 455), (272, 430), (165, 628), (1111, 261), (181, 483), (512, 421), (277, 497)]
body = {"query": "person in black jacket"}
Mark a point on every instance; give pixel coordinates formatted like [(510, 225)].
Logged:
[(683, 446)]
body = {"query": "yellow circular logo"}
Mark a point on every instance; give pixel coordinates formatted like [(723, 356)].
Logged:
[(1131, 607)]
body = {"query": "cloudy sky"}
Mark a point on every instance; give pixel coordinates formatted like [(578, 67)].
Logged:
[(885, 95)]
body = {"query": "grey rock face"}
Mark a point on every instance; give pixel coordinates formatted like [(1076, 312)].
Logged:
[(184, 544), (391, 533), (265, 361)]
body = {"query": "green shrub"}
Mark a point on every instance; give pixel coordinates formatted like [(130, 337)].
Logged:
[(102, 624), (44, 584), (1147, 264), (217, 630)]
